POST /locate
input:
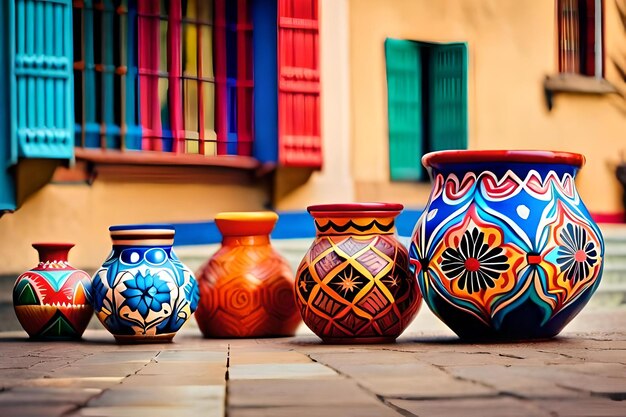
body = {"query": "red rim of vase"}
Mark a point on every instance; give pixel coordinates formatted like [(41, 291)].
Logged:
[(344, 210), (434, 159), (53, 251)]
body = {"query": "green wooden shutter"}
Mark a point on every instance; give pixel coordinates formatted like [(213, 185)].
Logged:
[(447, 111), (404, 107)]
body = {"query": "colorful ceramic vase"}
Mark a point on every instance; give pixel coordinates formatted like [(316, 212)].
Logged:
[(354, 285), (143, 292), (53, 300), (505, 248), (246, 287)]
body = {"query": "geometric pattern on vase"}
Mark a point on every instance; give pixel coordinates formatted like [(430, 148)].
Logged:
[(506, 253), (246, 287), (353, 284), (53, 300), (142, 292)]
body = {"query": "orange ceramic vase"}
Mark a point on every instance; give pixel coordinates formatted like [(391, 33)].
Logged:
[(246, 288)]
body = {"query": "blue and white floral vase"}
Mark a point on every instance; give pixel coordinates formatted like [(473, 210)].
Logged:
[(505, 248), (143, 292)]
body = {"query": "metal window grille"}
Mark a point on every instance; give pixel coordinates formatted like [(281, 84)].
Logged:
[(580, 37), (147, 76)]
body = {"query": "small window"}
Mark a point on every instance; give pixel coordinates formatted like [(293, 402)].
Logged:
[(580, 37), (427, 103)]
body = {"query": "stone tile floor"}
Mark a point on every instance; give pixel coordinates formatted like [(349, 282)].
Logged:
[(428, 372)]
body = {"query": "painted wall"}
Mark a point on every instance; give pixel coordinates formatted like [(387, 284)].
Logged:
[(81, 214), (512, 47), (334, 182)]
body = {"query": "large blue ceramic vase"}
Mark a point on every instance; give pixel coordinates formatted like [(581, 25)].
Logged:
[(505, 248), (143, 293)]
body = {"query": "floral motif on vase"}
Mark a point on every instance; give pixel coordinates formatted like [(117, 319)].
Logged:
[(144, 292), (506, 254)]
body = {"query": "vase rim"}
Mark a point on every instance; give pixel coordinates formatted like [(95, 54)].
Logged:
[(52, 245), (146, 226), (434, 159), (242, 223), (247, 216), (355, 210)]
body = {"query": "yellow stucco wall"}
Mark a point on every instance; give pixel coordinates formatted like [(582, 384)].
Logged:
[(512, 47), (81, 214)]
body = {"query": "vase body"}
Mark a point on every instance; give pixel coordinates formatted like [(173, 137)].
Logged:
[(354, 285), (53, 300), (505, 248), (143, 292), (246, 287)]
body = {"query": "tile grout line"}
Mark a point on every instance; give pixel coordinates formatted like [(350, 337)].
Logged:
[(380, 398), (226, 379), (85, 405)]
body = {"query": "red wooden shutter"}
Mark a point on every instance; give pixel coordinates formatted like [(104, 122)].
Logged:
[(299, 138)]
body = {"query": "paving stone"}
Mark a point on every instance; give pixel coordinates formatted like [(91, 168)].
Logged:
[(243, 358), (293, 392), (615, 370), (216, 410), (47, 395), (512, 380), (218, 357), (414, 387), (483, 407), (362, 357), (210, 378), (183, 368), (27, 410), (188, 396), (87, 382), (113, 369), (584, 407), (369, 410), (280, 371), (114, 357)]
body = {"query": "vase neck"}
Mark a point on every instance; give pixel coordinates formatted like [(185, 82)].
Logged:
[(53, 253), (254, 240), (355, 226)]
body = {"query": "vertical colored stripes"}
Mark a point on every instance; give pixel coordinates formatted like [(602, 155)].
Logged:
[(148, 34), (221, 118), (299, 129), (245, 83), (265, 114), (174, 76)]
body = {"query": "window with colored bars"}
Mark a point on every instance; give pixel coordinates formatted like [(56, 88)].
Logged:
[(164, 75), (580, 40), (426, 103)]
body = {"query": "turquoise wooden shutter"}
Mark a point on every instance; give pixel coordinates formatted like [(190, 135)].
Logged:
[(36, 89), (447, 111), (43, 74), (8, 150), (404, 107)]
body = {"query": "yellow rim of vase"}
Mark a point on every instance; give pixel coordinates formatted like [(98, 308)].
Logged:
[(247, 216)]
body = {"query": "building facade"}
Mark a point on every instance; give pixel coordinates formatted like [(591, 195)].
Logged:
[(172, 111)]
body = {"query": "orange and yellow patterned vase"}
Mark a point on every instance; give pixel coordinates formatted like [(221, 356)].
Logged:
[(53, 300), (505, 248), (246, 287), (354, 285)]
